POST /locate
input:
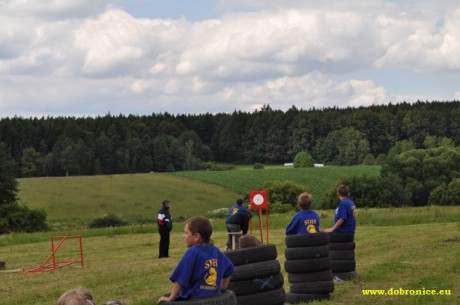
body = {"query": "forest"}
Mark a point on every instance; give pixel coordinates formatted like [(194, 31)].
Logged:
[(111, 144)]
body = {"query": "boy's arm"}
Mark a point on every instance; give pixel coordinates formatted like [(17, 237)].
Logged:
[(225, 282), (337, 224), (174, 293)]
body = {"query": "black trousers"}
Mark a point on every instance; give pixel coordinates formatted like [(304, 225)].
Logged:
[(164, 242)]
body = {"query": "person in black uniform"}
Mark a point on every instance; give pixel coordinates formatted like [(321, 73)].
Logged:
[(165, 224)]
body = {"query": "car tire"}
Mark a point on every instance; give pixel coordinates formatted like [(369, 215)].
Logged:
[(310, 276), (256, 270), (307, 265), (252, 255), (306, 252), (307, 240), (256, 285)]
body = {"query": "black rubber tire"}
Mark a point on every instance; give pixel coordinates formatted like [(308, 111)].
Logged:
[(343, 265), (252, 255), (307, 240), (272, 297), (306, 252), (342, 254), (294, 298), (346, 276), (307, 265), (341, 237), (256, 285), (310, 277), (227, 297), (342, 246), (256, 270), (312, 287)]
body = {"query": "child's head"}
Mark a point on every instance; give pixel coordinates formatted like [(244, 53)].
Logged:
[(198, 230), (304, 201), (239, 202), (78, 296), (343, 191), (248, 240)]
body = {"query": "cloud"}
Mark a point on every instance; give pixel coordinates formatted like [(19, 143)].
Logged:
[(88, 54)]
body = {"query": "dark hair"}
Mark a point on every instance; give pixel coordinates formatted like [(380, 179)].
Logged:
[(202, 226), (304, 201), (165, 202), (239, 202), (343, 191)]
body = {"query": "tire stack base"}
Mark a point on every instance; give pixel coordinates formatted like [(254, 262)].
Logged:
[(307, 265), (342, 256), (258, 278)]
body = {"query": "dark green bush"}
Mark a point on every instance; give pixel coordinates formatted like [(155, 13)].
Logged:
[(370, 191), (303, 159), (285, 192), (279, 208), (446, 194), (258, 165), (108, 220), (221, 167), (17, 218)]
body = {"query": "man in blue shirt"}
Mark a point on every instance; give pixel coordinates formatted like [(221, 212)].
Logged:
[(345, 214)]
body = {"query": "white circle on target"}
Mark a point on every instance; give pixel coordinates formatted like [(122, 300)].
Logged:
[(258, 199)]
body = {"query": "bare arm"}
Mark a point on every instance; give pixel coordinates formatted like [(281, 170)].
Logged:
[(337, 224), (174, 293), (225, 282)]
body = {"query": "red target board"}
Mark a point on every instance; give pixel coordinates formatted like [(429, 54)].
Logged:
[(258, 199)]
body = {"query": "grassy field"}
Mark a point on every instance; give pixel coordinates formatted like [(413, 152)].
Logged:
[(124, 265), (408, 248), (317, 180), (136, 198)]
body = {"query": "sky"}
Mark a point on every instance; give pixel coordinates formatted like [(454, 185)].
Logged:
[(94, 57)]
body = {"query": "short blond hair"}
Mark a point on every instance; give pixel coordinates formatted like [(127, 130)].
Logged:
[(304, 201), (77, 296)]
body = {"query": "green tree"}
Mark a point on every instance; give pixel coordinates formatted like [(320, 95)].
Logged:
[(423, 170), (303, 159), (14, 217), (30, 162)]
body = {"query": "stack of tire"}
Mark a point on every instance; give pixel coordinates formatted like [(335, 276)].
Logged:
[(307, 265), (342, 256), (257, 278)]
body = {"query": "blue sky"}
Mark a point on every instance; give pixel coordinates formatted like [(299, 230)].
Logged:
[(92, 57)]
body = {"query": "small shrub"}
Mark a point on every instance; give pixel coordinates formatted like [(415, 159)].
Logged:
[(285, 192), (258, 165), (19, 218), (218, 213), (279, 208), (108, 220)]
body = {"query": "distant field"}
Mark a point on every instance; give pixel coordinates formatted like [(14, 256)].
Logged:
[(134, 197), (317, 180)]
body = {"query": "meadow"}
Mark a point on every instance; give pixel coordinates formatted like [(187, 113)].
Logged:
[(408, 248)]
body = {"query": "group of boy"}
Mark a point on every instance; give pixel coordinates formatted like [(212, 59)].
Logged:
[(211, 269)]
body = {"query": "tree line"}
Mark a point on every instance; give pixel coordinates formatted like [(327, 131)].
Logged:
[(110, 144)]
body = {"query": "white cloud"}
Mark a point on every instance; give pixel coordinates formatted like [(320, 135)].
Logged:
[(281, 53)]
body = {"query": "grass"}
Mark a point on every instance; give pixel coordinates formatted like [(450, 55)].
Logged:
[(124, 266), (72, 202), (317, 180), (408, 248)]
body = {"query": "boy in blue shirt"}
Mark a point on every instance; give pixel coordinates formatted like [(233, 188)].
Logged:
[(345, 214), (305, 221), (203, 270)]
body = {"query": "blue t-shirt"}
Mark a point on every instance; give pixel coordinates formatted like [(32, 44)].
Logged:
[(347, 212), (306, 221), (237, 208), (201, 270)]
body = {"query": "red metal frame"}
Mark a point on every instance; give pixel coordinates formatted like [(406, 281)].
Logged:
[(260, 226), (47, 266)]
